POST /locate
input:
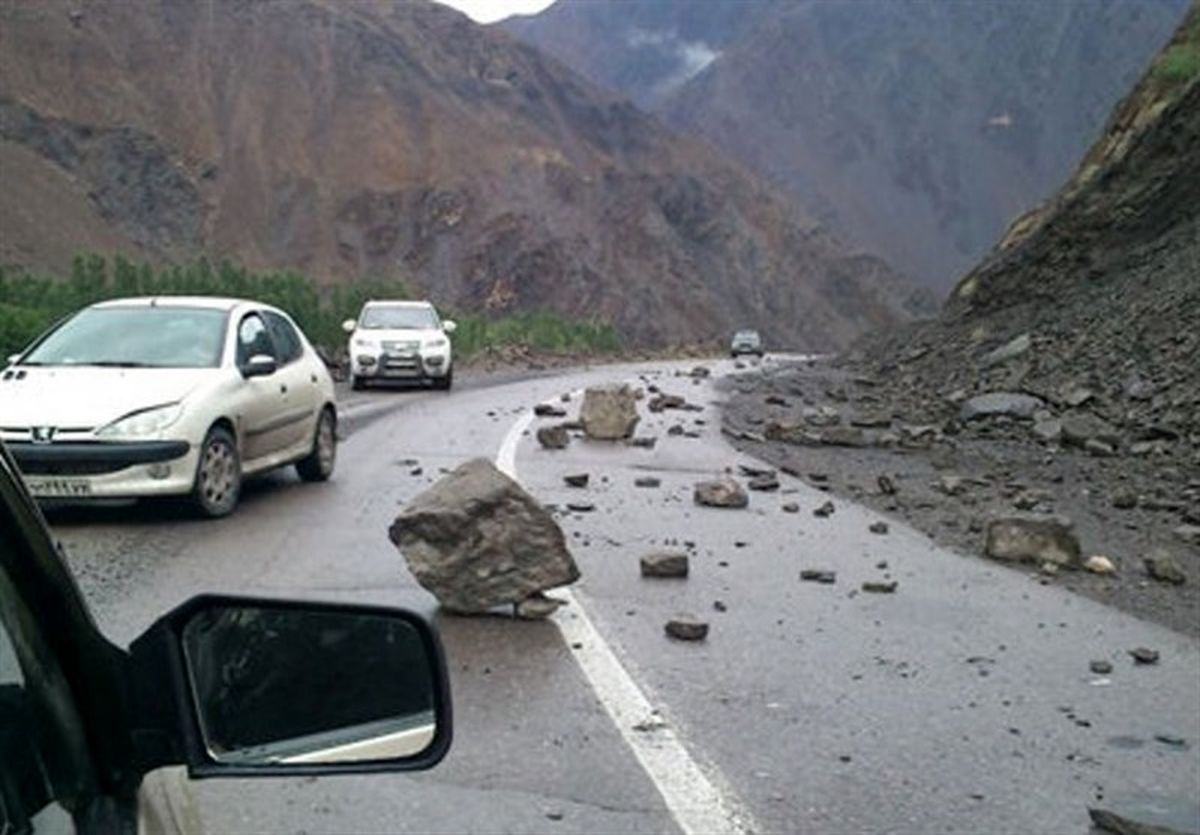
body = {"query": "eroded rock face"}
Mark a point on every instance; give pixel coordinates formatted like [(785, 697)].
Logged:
[(609, 413), (477, 540), (1028, 539)]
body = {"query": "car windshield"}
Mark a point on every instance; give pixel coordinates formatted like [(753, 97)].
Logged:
[(746, 335), (398, 318), (135, 337)]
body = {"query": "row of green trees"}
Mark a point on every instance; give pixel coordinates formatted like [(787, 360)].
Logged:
[(31, 302)]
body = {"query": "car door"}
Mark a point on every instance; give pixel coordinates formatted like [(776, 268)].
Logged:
[(262, 422), (299, 381)]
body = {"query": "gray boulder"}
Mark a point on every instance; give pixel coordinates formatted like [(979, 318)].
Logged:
[(477, 540), (996, 403), (723, 492), (1034, 540), (1010, 350), (609, 413), (553, 437)]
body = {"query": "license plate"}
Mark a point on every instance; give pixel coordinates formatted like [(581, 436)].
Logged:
[(59, 487)]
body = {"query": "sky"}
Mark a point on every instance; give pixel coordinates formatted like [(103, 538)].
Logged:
[(489, 11)]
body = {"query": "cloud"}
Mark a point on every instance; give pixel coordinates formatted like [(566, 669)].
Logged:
[(689, 57)]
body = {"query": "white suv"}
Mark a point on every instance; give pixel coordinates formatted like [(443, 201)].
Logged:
[(400, 341)]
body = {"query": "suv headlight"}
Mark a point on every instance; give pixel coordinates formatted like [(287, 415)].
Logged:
[(440, 342), (143, 422), (363, 342)]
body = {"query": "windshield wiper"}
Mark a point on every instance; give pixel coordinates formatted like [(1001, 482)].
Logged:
[(119, 364)]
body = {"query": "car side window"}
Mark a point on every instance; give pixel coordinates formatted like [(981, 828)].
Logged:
[(253, 339), (283, 334)]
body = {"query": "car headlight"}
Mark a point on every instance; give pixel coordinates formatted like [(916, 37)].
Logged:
[(364, 343), (143, 422), (440, 342)]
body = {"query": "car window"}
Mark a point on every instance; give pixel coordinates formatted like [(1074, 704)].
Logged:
[(253, 339), (287, 341), (394, 316), (141, 336)]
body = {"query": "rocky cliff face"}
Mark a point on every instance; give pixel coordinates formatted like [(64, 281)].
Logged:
[(1091, 302), (351, 139), (915, 128)]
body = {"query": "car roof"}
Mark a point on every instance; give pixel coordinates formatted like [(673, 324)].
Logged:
[(397, 303), (212, 302)]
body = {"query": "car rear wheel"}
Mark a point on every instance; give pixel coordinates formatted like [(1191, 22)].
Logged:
[(318, 466), (218, 475)]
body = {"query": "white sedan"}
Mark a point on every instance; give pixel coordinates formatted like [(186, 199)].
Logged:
[(168, 396)]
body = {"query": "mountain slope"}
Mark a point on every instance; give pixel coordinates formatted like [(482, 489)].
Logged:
[(917, 129), (352, 139)]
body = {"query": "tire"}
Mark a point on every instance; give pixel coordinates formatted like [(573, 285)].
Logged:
[(357, 383), (318, 464), (218, 483), (444, 383)]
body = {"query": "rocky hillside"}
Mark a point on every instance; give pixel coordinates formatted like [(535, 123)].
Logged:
[(915, 128), (352, 139), (1091, 303)]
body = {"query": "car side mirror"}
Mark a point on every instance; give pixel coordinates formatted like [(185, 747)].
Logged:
[(349, 325), (12, 358), (237, 686), (449, 326), (259, 365)]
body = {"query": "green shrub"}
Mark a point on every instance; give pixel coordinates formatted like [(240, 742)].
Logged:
[(30, 303), (1180, 63)]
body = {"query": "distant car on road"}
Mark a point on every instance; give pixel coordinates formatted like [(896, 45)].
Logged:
[(401, 341), (746, 342), (168, 396)]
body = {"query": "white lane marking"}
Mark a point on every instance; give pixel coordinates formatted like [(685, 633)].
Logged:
[(698, 806)]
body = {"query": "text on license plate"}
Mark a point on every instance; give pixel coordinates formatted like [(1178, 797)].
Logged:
[(59, 487)]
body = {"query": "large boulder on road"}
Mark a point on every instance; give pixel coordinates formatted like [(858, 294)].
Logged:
[(1033, 539), (609, 413), (477, 540)]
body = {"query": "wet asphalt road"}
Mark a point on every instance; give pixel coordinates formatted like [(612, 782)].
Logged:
[(960, 703)]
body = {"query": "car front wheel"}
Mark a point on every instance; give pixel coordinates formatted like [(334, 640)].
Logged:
[(318, 465), (218, 475)]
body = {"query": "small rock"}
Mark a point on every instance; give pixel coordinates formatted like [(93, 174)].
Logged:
[(994, 404), (1188, 533), (576, 480), (685, 628), (824, 511), (1032, 539), (1162, 567), (1098, 448), (765, 482), (886, 486), (720, 493), (790, 507), (665, 565), (1078, 429), (700, 372), (818, 575), (647, 481), (878, 527), (1048, 430), (719, 605), (580, 507), (1171, 739), (1124, 499), (878, 587), (553, 437), (775, 400), (1144, 655), (644, 442), (1010, 350), (537, 607), (1100, 565), (549, 410), (554, 816), (951, 485), (1101, 668)]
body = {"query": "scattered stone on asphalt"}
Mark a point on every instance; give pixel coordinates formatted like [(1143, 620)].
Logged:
[(644, 442), (824, 511), (609, 413), (549, 410), (818, 575), (790, 507), (1162, 566), (751, 471), (719, 605), (700, 372), (766, 482), (1118, 824), (878, 527), (1144, 655), (886, 486), (553, 437), (1032, 539), (537, 607), (880, 587), (580, 507), (476, 540), (723, 492), (1171, 739), (1101, 667), (647, 481), (662, 402), (665, 564), (686, 628), (1100, 565), (577, 480), (416, 471)]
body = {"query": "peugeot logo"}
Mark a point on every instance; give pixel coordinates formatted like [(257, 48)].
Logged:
[(42, 434)]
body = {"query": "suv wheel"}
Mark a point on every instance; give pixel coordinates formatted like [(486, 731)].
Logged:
[(218, 475), (444, 383)]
